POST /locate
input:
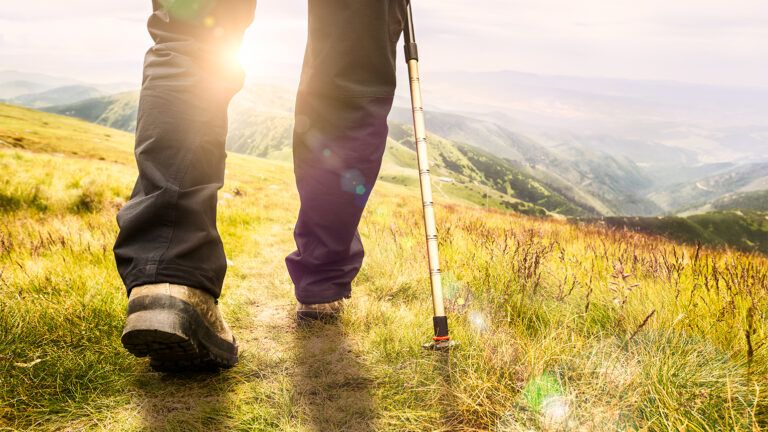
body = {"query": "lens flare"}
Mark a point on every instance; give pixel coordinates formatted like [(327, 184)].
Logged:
[(555, 410), (230, 54), (351, 179), (544, 394), (188, 10), (539, 389), (478, 322), (450, 285)]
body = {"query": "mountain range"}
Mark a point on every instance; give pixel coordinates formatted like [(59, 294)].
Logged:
[(538, 144), (39, 90)]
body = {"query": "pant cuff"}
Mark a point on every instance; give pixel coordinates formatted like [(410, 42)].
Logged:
[(309, 296), (174, 274)]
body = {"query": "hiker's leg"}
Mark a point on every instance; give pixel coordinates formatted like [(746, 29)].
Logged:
[(345, 95), (168, 228)]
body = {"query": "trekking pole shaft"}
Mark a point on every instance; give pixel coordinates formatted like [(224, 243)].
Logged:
[(420, 135), (426, 188)]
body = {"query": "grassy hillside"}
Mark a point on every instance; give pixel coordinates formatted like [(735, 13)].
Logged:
[(560, 327), (756, 201), (470, 167), (57, 96), (747, 230), (607, 184), (116, 111), (694, 195)]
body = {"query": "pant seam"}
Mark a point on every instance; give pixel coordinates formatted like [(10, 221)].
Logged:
[(176, 182)]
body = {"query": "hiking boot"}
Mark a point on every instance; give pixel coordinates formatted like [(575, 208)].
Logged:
[(179, 328), (320, 312)]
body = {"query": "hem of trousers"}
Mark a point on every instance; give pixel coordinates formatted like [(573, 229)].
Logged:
[(327, 296), (174, 274)]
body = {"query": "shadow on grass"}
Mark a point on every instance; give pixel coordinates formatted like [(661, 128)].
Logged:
[(443, 370), (184, 402), (330, 385)]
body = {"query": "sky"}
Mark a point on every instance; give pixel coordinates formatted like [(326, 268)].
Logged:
[(700, 41)]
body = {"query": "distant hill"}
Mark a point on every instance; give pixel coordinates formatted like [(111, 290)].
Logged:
[(693, 196), (41, 80), (612, 185), (757, 201), (56, 96), (469, 167), (675, 134), (36, 90), (743, 230), (12, 89), (116, 111), (261, 134)]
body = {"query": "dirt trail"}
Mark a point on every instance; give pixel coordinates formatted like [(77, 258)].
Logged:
[(289, 377)]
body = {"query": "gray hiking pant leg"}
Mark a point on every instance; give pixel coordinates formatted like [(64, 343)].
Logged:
[(168, 228), (346, 92)]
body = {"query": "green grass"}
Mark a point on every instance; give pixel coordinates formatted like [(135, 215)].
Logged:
[(745, 230), (561, 327), (756, 201)]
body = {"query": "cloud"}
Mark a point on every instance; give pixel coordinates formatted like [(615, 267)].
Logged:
[(36, 10), (686, 40)]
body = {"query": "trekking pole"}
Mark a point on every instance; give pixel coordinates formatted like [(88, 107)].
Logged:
[(441, 340)]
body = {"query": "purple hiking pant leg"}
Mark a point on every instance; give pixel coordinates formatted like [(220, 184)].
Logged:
[(346, 92), (337, 158)]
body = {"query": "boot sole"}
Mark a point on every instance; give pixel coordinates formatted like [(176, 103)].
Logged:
[(174, 336)]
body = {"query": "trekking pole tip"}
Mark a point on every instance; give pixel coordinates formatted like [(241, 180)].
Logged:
[(439, 345), (441, 341)]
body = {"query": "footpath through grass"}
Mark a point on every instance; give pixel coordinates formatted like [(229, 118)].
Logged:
[(560, 327)]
